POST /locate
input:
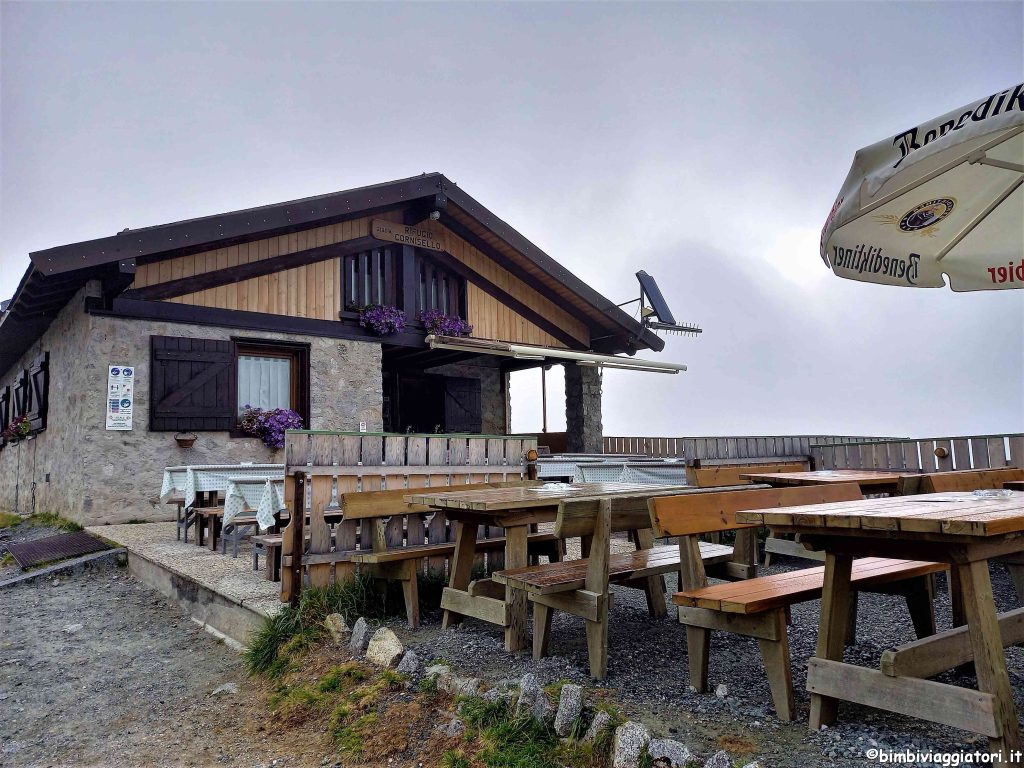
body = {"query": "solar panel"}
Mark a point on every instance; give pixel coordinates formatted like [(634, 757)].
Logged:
[(650, 288)]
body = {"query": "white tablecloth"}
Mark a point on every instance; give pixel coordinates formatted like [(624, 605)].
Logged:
[(264, 494), (190, 480)]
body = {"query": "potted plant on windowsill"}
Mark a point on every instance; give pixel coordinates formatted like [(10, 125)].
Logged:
[(439, 324), (186, 439), (269, 425), (19, 429), (382, 319)]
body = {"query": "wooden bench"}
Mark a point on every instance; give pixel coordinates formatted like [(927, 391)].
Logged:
[(383, 536), (965, 481), (958, 480), (733, 474), (759, 607), (581, 587)]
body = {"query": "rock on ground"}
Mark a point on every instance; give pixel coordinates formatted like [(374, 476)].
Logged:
[(384, 649), (338, 628), (631, 739), (719, 760), (570, 705), (459, 686), (229, 688), (669, 753), (410, 664), (360, 637), (532, 699), (600, 722)]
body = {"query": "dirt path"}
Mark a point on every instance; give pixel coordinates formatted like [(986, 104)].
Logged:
[(99, 670)]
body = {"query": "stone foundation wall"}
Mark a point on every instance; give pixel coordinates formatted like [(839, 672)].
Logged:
[(79, 470)]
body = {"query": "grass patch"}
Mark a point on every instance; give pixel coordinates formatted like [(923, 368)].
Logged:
[(509, 740), (8, 520), (47, 520), (7, 560), (286, 636), (455, 759), (350, 739)]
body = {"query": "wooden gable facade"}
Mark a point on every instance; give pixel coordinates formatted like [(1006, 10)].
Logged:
[(360, 270)]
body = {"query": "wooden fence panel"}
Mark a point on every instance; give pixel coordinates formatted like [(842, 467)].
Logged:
[(961, 453)]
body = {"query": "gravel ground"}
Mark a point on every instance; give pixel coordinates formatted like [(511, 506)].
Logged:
[(98, 670), (648, 673)]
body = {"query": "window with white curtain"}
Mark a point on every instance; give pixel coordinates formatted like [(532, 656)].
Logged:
[(264, 381)]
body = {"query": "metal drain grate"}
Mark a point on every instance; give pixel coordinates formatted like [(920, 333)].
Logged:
[(58, 547)]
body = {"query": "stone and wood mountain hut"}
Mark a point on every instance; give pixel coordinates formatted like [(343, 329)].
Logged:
[(261, 307)]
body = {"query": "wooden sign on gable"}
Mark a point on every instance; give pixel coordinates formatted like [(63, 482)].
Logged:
[(417, 236)]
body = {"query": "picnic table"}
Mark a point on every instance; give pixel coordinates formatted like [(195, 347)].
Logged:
[(869, 480), (964, 530), (1014, 485), (515, 510)]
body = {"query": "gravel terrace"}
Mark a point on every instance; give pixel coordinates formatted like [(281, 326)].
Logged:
[(134, 684)]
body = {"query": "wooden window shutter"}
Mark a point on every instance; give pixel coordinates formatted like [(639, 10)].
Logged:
[(20, 394), (5, 408), (37, 384), (192, 385), (462, 405)]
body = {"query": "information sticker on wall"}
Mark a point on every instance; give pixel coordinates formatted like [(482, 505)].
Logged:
[(120, 397)]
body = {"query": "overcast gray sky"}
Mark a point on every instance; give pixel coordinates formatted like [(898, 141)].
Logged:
[(702, 142)]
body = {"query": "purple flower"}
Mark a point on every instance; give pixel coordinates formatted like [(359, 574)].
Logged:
[(382, 319), (271, 425), (440, 324)]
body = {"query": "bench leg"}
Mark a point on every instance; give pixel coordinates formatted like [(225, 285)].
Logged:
[(698, 651), (411, 592), (653, 586), (921, 604), (273, 558), (255, 558), (461, 567), (851, 626), (542, 615), (1016, 571), (597, 641), (775, 655)]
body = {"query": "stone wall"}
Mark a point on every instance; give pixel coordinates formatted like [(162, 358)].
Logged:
[(493, 390), (583, 409), (93, 476)]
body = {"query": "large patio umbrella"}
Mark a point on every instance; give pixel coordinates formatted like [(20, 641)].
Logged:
[(945, 196)]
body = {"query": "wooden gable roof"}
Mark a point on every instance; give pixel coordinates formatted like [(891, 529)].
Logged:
[(568, 309)]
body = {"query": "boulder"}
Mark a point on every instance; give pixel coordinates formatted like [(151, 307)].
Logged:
[(602, 720), (667, 753), (360, 637), (338, 628), (631, 740), (532, 699), (385, 649), (410, 664), (570, 705), (719, 760), (459, 686)]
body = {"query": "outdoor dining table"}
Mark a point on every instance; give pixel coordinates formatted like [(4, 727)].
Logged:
[(515, 510), (262, 493), (869, 480), (196, 479), (964, 530)]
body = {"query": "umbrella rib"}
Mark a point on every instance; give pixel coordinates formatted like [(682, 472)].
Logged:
[(971, 225), (937, 172)]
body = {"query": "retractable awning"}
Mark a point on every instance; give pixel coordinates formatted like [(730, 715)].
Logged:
[(531, 352)]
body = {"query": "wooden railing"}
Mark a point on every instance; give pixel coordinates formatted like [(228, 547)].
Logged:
[(932, 454), (744, 447), (322, 467)]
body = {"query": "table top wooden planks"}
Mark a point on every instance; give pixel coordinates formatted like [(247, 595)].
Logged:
[(863, 477), (952, 514), (502, 499)]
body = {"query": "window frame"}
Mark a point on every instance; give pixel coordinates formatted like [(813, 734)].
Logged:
[(297, 352)]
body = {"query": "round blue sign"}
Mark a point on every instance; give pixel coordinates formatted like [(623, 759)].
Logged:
[(126, 403), (115, 371)]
